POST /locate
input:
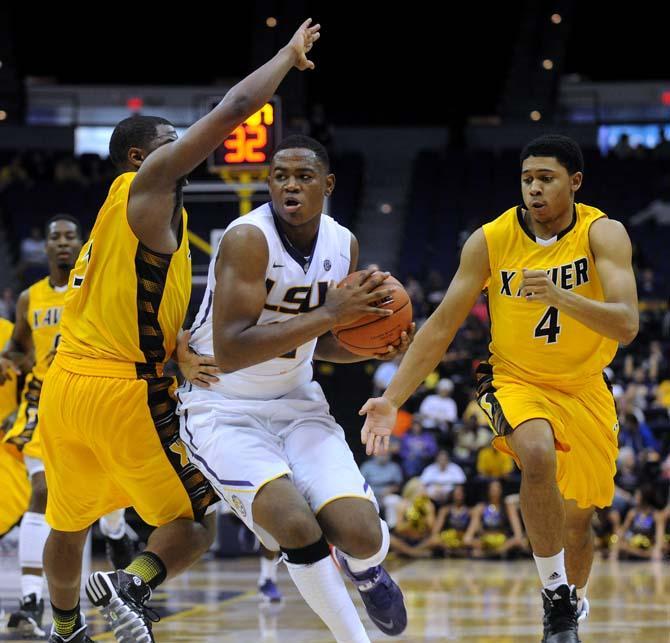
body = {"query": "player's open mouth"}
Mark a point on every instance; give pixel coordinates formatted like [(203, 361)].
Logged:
[(291, 205), (538, 205)]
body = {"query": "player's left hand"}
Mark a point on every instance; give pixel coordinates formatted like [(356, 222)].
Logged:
[(302, 42), (536, 285), (197, 369), (380, 420), (406, 338)]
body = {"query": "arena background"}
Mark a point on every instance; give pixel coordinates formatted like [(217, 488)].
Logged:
[(424, 111)]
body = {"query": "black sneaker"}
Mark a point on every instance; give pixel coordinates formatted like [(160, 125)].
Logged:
[(120, 552), (79, 636), (121, 599), (27, 620), (560, 615)]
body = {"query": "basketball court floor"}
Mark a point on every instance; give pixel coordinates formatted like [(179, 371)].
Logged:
[(473, 601)]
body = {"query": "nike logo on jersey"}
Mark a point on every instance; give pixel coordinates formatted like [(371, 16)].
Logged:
[(277, 265)]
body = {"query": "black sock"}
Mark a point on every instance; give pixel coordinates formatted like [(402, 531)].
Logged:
[(149, 567), (66, 622)]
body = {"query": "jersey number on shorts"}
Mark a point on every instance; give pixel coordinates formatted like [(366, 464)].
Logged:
[(548, 326), (78, 280)]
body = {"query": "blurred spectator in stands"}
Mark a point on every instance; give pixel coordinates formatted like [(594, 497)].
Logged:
[(605, 523), (471, 437), (640, 389), (13, 172), (473, 410), (441, 477), (434, 290), (480, 310), (650, 286), (657, 211), (411, 533), (617, 389), (39, 166), (321, 129), (417, 297), (383, 375), (495, 528), (67, 170), (417, 448), (637, 435), (438, 411), (8, 305), (622, 149), (642, 534), (626, 481), (451, 524), (655, 363), (383, 475), (492, 463), (662, 150), (33, 248)]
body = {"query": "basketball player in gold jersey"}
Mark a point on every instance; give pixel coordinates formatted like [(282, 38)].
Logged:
[(110, 435), (562, 296), (31, 348), (13, 476)]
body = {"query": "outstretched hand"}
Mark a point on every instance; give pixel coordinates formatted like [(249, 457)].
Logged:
[(380, 420), (302, 42)]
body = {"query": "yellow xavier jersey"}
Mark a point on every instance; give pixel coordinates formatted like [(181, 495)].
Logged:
[(531, 340), (45, 308), (8, 393), (126, 303)]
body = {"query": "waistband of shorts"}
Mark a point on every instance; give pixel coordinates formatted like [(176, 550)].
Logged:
[(575, 384), (108, 367)]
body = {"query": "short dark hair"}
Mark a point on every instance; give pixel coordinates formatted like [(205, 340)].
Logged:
[(134, 131), (566, 151), (63, 217), (304, 142)]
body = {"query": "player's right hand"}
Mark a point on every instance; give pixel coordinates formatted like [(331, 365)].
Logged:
[(379, 422), (348, 303), (301, 43)]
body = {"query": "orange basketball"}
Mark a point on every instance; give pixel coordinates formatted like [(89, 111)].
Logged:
[(372, 334)]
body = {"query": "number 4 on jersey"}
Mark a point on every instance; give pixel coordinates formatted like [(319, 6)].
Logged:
[(548, 326)]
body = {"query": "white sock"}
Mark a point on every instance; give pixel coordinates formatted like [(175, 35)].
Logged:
[(33, 534), (322, 587), (113, 525), (31, 584), (359, 565), (268, 570), (581, 594), (581, 591), (552, 570)]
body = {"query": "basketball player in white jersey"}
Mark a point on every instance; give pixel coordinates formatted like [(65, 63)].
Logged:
[(263, 434)]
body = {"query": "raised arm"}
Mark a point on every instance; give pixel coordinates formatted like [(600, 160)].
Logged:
[(159, 173), (430, 343)]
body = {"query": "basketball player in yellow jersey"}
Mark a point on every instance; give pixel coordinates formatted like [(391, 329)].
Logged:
[(31, 348), (110, 435), (562, 296), (13, 476)]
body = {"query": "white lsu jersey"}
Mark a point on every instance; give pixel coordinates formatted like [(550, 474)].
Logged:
[(293, 287)]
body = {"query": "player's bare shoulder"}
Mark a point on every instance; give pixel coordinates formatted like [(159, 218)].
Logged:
[(608, 236)]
